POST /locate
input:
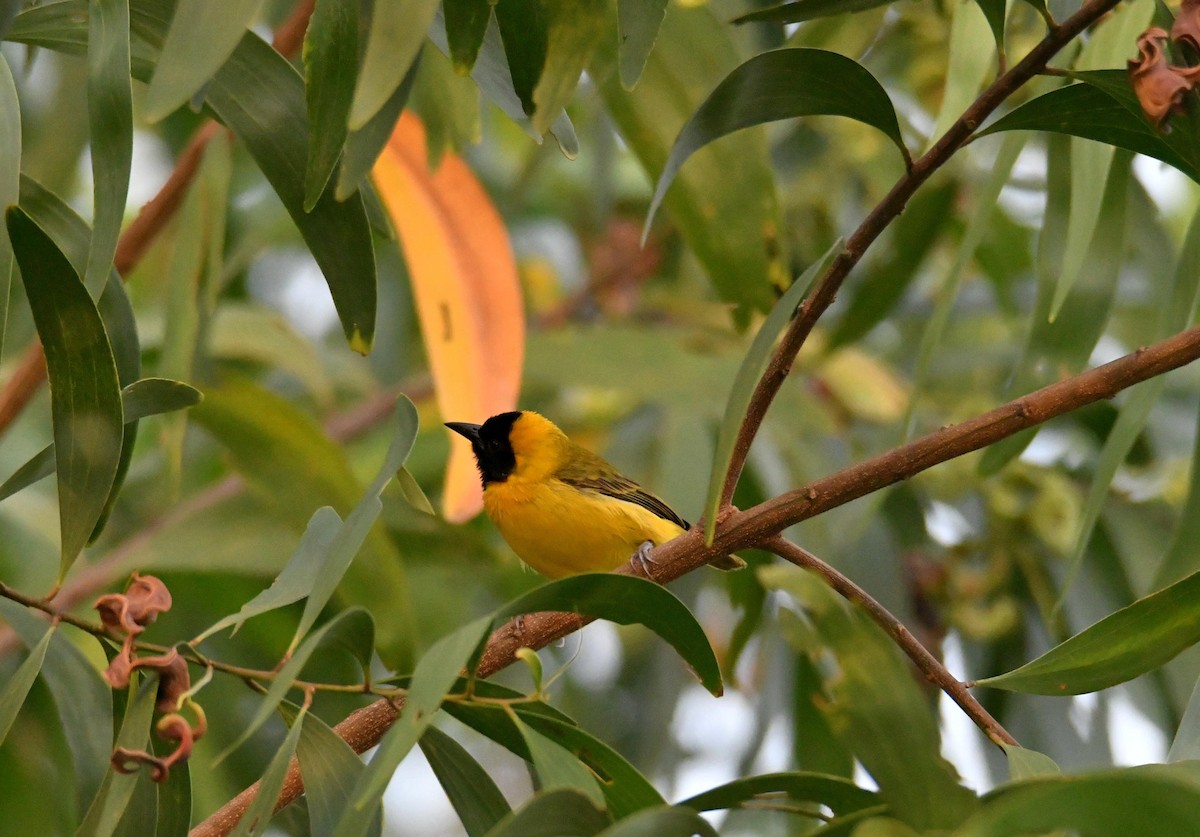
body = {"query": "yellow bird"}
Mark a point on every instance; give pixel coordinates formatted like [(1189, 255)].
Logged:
[(562, 508)]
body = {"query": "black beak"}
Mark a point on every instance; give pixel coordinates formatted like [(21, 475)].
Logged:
[(462, 428)]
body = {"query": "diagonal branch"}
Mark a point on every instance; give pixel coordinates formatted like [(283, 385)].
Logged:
[(956, 136)]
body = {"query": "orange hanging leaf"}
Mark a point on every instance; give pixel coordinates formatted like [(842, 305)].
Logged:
[(468, 297)]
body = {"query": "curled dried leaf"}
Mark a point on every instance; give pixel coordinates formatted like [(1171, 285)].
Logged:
[(173, 681), (121, 667), (125, 760), (171, 727), (1161, 89), (130, 612)]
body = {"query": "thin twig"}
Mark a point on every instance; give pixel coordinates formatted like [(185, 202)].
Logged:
[(929, 665), (882, 215)]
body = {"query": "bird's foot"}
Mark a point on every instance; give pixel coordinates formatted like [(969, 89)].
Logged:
[(642, 558)]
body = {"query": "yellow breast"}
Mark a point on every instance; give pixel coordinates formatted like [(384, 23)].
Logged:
[(559, 530)]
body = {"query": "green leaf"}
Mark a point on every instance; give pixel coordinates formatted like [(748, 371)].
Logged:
[(330, 70), (202, 37), (174, 798), (353, 532), (802, 10), (841, 795), (141, 813), (106, 809), (329, 769), (1118, 803), (352, 630), (556, 767), (555, 813), (466, 24), (258, 813), (83, 699), (10, 176), (627, 600), (782, 84), (256, 333), (1134, 640), (574, 30), (398, 29), (475, 797), (668, 821), (1105, 110), (289, 461), (1028, 764), (626, 791), (972, 54), (337, 233), (436, 671), (872, 702), (525, 31), (147, 397), (364, 145), (995, 11), (733, 232), (12, 698), (638, 22), (110, 121), (753, 365), (297, 578), (85, 395), (413, 495)]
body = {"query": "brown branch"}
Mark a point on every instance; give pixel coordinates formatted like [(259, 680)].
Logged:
[(758, 526), (929, 665), (151, 220), (883, 214)]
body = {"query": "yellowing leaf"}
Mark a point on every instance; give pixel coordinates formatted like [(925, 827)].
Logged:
[(468, 297)]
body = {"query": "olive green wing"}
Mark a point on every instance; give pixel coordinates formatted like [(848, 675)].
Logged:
[(588, 472)]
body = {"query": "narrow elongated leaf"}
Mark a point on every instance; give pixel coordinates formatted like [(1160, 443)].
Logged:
[(337, 233), (627, 600), (83, 700), (294, 467), (330, 69), (1111, 804), (329, 768), (669, 821), (782, 84), (574, 30), (264, 336), (625, 789), (115, 792), (364, 146), (398, 28), (556, 767), (475, 797), (258, 813), (802, 10), (562, 812), (436, 671), (638, 22), (872, 703), (1103, 109), (1136, 639), (466, 24), (1028, 764), (85, 394), (147, 397), (753, 365), (174, 797), (203, 34), (110, 121), (995, 12), (525, 31), (841, 795), (297, 578), (353, 532), (467, 292), (351, 630), (972, 55), (731, 231), (12, 697), (10, 172), (1185, 745)]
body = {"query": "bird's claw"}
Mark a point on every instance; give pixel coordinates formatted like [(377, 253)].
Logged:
[(642, 558)]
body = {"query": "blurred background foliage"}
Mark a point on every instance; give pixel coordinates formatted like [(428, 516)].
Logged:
[(992, 558)]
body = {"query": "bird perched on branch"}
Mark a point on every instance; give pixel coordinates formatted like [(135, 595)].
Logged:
[(562, 508)]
